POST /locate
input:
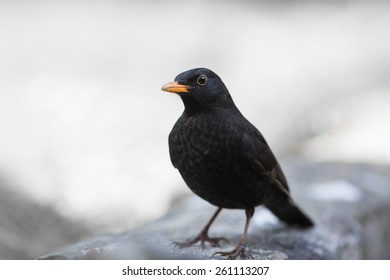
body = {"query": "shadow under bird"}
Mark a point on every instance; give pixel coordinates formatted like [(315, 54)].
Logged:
[(224, 159)]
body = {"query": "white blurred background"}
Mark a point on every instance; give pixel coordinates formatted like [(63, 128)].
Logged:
[(84, 124)]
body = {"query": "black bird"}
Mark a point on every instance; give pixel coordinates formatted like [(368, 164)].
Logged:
[(224, 159)]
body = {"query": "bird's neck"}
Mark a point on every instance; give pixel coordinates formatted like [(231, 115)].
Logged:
[(192, 106)]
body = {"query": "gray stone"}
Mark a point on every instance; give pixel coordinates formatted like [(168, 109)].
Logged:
[(29, 229), (350, 204)]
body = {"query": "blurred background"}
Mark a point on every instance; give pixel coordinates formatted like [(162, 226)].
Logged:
[(84, 124)]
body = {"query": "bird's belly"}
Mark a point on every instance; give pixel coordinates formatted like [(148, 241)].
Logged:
[(208, 153), (221, 177)]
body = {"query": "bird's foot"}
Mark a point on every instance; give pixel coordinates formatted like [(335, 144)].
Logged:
[(239, 251), (203, 238)]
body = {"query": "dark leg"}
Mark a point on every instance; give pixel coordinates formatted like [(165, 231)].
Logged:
[(203, 235), (240, 248)]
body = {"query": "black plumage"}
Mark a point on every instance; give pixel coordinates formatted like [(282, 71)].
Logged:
[(223, 158)]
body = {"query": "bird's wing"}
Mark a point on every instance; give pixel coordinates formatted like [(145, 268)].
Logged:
[(263, 160)]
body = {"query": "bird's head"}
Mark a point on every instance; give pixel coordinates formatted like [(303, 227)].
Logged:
[(201, 90)]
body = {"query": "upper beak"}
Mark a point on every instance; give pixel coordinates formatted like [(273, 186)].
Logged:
[(175, 87)]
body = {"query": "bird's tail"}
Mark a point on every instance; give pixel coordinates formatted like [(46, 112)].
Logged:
[(288, 212)]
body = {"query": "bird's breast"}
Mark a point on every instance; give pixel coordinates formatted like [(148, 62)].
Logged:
[(195, 142), (207, 152)]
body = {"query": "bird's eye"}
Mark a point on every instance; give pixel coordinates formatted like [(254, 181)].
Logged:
[(202, 80)]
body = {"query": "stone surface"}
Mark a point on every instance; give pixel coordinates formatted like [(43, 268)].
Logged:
[(29, 229), (350, 204)]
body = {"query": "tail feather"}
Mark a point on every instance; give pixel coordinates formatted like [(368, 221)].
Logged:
[(289, 213)]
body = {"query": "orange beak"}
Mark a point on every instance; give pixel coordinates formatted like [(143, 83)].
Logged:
[(175, 87)]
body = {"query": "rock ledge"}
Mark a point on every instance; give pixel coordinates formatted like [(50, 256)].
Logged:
[(349, 203)]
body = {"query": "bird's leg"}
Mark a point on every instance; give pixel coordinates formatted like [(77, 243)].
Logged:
[(241, 245), (203, 235)]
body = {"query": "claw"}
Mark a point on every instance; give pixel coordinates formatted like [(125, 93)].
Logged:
[(239, 251), (214, 242), (203, 236)]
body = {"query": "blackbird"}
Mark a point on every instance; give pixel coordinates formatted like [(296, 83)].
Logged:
[(224, 159)]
